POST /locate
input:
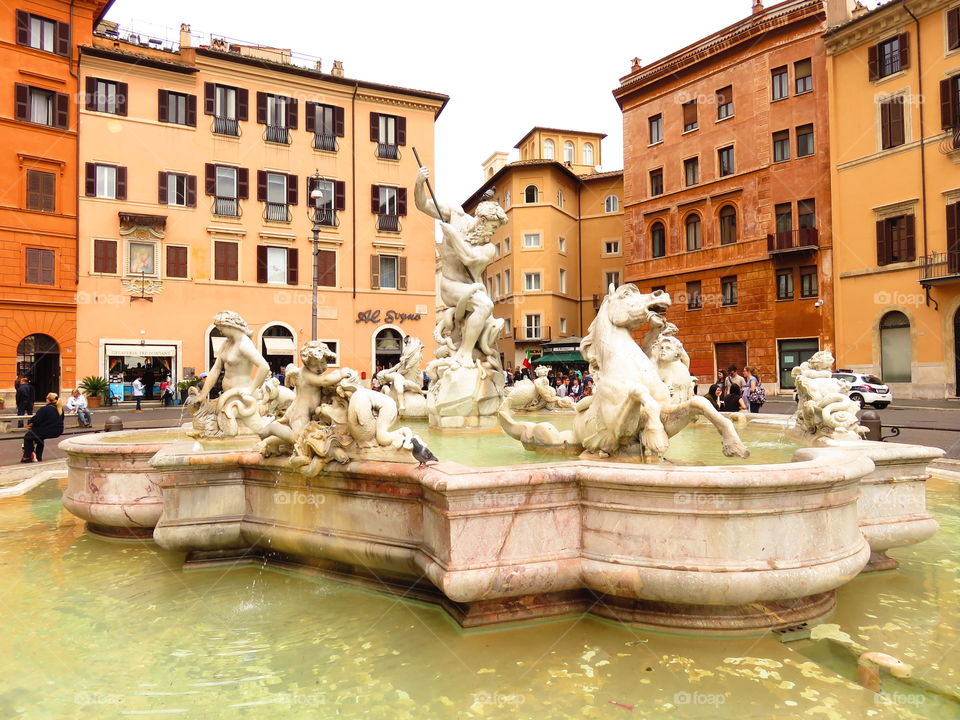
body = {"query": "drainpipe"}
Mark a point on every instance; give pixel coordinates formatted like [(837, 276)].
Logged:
[(579, 260), (76, 239), (353, 180), (923, 149)]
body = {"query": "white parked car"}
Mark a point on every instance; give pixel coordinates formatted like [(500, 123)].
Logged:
[(866, 389)]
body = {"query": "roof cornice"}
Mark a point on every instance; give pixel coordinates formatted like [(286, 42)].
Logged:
[(874, 25)]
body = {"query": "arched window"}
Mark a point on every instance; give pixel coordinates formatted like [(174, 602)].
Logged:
[(387, 346), (549, 152), (728, 225), (531, 194), (658, 240), (611, 204), (694, 232), (588, 154), (895, 348), (568, 152)]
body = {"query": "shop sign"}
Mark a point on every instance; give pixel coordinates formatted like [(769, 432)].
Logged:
[(390, 316)]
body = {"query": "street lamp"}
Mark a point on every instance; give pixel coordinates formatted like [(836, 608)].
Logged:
[(317, 216)]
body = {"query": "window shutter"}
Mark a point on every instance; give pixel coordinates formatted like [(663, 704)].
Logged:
[(261, 264), (210, 179), (63, 39), (162, 185), (310, 117), (261, 108), (162, 100), (401, 273), (293, 266), (909, 240), (953, 228), (897, 126), (243, 102), (261, 186), (22, 93), (883, 254), (191, 190), (375, 127), (62, 120), (91, 93), (327, 268), (32, 267), (953, 29), (48, 192), (292, 114), (340, 195), (904, 50), (90, 189), (873, 62), (292, 191), (33, 190), (243, 183), (402, 202), (192, 110), (374, 272), (401, 131), (23, 27), (121, 183), (948, 103), (104, 256), (209, 103), (375, 199), (122, 90), (885, 108), (338, 121)]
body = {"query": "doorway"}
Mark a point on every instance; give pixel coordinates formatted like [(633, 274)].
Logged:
[(895, 348), (790, 354), (38, 359), (727, 354), (387, 347)]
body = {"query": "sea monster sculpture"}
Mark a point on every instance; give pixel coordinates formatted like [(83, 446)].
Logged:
[(535, 395), (824, 408)]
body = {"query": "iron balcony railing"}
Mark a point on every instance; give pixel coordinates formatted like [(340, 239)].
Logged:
[(940, 266), (388, 152), (226, 207), (328, 218), (325, 142), (276, 134), (388, 223), (786, 240), (277, 212), (226, 126)]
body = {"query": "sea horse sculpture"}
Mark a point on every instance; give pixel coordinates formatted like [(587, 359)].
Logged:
[(639, 402)]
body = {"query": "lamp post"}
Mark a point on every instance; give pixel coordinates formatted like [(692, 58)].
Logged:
[(316, 199)]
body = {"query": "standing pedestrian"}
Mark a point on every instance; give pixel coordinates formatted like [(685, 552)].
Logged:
[(138, 391), (45, 424), (26, 396), (77, 405), (756, 396), (733, 378)]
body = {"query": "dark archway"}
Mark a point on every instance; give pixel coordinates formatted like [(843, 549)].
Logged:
[(388, 346), (896, 352), (38, 359)]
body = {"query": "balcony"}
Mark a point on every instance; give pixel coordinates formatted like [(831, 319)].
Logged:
[(226, 126), (786, 241), (328, 218), (277, 212), (940, 267), (388, 152), (276, 134), (325, 142), (388, 223), (951, 144), (226, 207)]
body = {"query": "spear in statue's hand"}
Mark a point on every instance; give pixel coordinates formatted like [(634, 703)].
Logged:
[(433, 197)]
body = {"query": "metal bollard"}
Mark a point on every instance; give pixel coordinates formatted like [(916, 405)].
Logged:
[(113, 424), (869, 419)]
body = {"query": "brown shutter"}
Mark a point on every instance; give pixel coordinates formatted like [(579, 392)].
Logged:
[(48, 192), (192, 110), (33, 190), (873, 62), (122, 92), (883, 254), (953, 228), (338, 121), (402, 202), (261, 108), (897, 126), (885, 109), (375, 199), (191, 190), (62, 101), (401, 131), (90, 181), (261, 186), (32, 270), (23, 27), (22, 93), (292, 191), (243, 103), (690, 113), (121, 183), (904, 50), (292, 114), (374, 272), (909, 240), (340, 195), (210, 179), (401, 273), (243, 183), (163, 98), (327, 268), (261, 263), (104, 256), (953, 29), (375, 127), (90, 94), (310, 117), (63, 39), (176, 261), (209, 101), (293, 266), (948, 103), (162, 185)]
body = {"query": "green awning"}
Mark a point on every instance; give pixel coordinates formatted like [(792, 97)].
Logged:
[(563, 358)]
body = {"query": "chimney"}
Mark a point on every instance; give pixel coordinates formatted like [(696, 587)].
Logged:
[(635, 65), (337, 70), (840, 11), (184, 35), (757, 6)]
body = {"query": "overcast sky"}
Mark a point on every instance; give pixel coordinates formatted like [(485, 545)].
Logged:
[(507, 66)]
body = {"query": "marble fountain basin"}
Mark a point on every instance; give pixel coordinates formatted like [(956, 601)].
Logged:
[(734, 548)]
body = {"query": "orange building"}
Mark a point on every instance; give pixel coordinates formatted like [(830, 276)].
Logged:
[(38, 206), (562, 246), (727, 190)]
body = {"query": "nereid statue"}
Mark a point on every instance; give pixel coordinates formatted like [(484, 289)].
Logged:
[(824, 408)]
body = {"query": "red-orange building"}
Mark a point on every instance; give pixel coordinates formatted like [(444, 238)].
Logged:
[(727, 190), (38, 198)]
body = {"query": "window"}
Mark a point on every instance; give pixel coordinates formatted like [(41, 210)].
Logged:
[(563, 280), (785, 285), (661, 288), (531, 194), (389, 204), (803, 76), (327, 268), (506, 282), (225, 264), (690, 116), (587, 154), (658, 240), (562, 244), (228, 185), (611, 278), (43, 107), (507, 327), (656, 182), (694, 232), (691, 171), (39, 267), (388, 272), (549, 151), (497, 285), (950, 107), (889, 57), (228, 105), (333, 199), (694, 299), (563, 327), (611, 204), (560, 198), (106, 96), (953, 29), (784, 219), (725, 161), (279, 192), (531, 281), (277, 265), (279, 114), (389, 132), (892, 130), (809, 286), (611, 247), (728, 287), (532, 327), (895, 240), (725, 102), (506, 199), (807, 214), (177, 108), (177, 261), (656, 129), (779, 83), (42, 33), (106, 181), (728, 225), (177, 189), (781, 146), (568, 152), (506, 245), (41, 191), (531, 240), (805, 141), (105, 256), (326, 124)]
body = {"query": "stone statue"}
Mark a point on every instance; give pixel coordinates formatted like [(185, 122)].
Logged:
[(244, 371), (467, 376), (536, 395), (639, 402), (824, 408), (274, 398), (404, 382)]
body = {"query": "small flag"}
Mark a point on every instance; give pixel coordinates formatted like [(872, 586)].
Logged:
[(526, 361)]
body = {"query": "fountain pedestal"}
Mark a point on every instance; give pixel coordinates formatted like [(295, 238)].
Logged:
[(465, 397)]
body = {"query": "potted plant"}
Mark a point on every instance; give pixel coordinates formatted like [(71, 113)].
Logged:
[(183, 387), (95, 388)]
